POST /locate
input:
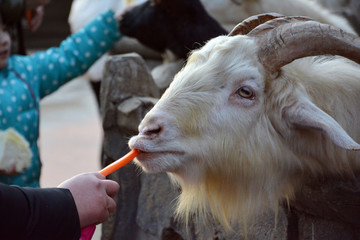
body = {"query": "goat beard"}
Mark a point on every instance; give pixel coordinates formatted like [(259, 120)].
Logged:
[(236, 189), (232, 203)]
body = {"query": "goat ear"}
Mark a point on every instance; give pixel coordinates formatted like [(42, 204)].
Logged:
[(308, 115)]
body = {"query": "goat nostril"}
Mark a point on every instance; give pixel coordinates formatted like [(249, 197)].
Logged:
[(152, 132)]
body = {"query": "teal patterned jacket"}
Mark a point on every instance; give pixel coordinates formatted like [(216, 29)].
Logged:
[(27, 79)]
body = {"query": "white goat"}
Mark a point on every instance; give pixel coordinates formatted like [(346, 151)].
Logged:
[(251, 116)]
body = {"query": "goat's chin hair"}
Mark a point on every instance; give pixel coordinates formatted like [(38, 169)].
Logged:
[(216, 200), (236, 188)]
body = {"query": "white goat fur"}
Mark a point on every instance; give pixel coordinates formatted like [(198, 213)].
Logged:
[(238, 10), (238, 156)]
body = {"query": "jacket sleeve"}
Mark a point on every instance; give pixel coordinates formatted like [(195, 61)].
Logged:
[(38, 213), (75, 55)]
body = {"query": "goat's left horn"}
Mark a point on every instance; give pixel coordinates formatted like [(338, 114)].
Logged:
[(292, 38), (252, 22)]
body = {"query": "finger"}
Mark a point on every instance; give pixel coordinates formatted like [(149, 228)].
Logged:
[(12, 170), (111, 188), (105, 214), (35, 25), (111, 204), (99, 175)]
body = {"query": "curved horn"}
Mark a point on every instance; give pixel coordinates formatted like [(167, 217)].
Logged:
[(283, 40), (252, 22)]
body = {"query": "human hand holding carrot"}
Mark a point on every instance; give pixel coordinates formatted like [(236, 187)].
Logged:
[(87, 232), (93, 195)]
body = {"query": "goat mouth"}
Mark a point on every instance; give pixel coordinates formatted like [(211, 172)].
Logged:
[(146, 156)]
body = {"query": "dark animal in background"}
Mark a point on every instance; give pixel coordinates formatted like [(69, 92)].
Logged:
[(176, 25)]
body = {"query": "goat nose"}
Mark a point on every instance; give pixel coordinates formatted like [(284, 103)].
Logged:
[(151, 130)]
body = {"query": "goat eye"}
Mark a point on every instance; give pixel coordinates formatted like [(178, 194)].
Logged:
[(245, 92)]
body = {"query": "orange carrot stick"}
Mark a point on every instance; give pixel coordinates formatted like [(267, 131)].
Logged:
[(119, 163)]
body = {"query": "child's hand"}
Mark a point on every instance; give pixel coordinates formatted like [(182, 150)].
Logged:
[(11, 171), (31, 4), (37, 17)]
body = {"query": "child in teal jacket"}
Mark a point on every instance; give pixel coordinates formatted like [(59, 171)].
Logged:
[(24, 80)]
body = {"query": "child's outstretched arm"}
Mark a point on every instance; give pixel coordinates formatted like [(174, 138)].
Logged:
[(56, 66)]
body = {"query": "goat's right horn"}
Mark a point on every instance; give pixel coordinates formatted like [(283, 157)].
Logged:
[(252, 22), (292, 38)]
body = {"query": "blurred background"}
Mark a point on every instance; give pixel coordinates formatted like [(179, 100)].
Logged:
[(70, 129)]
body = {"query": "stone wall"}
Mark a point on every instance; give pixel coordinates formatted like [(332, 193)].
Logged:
[(324, 208)]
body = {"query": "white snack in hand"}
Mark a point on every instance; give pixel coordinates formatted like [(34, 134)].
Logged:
[(14, 151)]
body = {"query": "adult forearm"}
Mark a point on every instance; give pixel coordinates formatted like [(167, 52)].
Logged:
[(29, 213)]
